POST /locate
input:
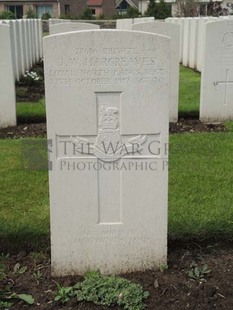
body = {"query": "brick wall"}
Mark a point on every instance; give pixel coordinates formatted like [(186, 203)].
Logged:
[(76, 7), (108, 8)]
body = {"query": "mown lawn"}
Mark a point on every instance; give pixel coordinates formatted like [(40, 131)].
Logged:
[(189, 93), (31, 112), (200, 189), (200, 184)]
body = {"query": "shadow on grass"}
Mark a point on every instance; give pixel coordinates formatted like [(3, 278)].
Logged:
[(26, 241), (21, 120), (30, 242), (189, 114)]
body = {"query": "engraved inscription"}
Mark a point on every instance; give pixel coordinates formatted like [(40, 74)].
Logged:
[(107, 66)]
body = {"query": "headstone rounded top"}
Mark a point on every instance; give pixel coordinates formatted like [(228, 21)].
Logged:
[(71, 26)]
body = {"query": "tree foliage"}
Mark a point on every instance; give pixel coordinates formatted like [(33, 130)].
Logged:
[(160, 10), (7, 15), (87, 14), (131, 12), (187, 8), (30, 13)]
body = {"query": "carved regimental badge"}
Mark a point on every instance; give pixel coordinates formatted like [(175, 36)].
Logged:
[(227, 38), (108, 145)]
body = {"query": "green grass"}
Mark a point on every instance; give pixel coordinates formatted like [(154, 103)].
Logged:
[(200, 190), (31, 112), (24, 207), (200, 180), (189, 93), (200, 185)]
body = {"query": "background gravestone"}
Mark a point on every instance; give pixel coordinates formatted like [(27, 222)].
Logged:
[(124, 23), (7, 85), (67, 27), (107, 96), (172, 31), (217, 75)]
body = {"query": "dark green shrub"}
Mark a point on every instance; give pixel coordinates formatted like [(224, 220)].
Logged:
[(7, 15), (160, 10), (46, 16), (87, 14)]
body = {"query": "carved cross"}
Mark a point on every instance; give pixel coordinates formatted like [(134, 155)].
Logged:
[(108, 147)]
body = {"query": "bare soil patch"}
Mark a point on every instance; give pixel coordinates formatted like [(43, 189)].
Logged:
[(170, 289)]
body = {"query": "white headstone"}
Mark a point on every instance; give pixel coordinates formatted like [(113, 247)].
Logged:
[(36, 41), (193, 43), (172, 31), (53, 21), (217, 74), (107, 96), (7, 84), (22, 45), (67, 27), (201, 40), (142, 20), (30, 42), (186, 41), (124, 24), (26, 45), (40, 34), (179, 21), (14, 48), (33, 41)]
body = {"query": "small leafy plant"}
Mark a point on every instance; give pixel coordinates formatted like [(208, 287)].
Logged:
[(198, 272), (19, 270), (2, 272), (163, 267), (5, 305), (4, 256), (7, 294), (37, 276), (106, 291), (64, 294)]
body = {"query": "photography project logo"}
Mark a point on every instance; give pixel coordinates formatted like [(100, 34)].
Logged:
[(35, 154), (108, 149)]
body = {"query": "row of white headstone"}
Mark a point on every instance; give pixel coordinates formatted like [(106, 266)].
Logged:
[(207, 44), (22, 48), (26, 44), (192, 34)]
